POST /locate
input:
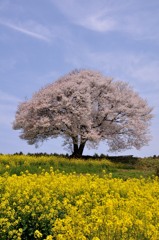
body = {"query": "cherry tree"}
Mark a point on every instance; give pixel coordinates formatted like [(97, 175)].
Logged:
[(85, 107)]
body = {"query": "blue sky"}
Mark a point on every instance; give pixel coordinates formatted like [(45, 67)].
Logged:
[(41, 40)]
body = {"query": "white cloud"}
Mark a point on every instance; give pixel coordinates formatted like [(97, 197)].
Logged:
[(30, 28), (137, 68), (90, 15), (97, 23), (139, 19)]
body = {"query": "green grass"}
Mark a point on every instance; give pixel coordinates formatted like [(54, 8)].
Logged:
[(16, 164)]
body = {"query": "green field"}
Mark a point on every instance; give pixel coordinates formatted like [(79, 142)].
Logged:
[(119, 168)]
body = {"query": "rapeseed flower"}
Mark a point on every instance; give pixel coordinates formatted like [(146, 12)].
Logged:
[(54, 205)]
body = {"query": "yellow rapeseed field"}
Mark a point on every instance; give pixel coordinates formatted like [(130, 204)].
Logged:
[(54, 205)]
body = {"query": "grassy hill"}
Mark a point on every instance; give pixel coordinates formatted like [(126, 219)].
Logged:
[(120, 167)]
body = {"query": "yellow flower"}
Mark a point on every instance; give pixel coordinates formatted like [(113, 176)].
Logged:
[(7, 166), (49, 237), (78, 207), (37, 234)]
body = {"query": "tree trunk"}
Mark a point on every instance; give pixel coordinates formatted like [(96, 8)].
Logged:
[(75, 148), (81, 148), (78, 150)]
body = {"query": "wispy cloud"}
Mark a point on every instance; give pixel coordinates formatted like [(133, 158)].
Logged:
[(137, 68), (98, 23), (135, 18), (88, 15), (30, 28)]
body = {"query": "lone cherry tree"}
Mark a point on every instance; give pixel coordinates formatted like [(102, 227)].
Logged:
[(85, 107)]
